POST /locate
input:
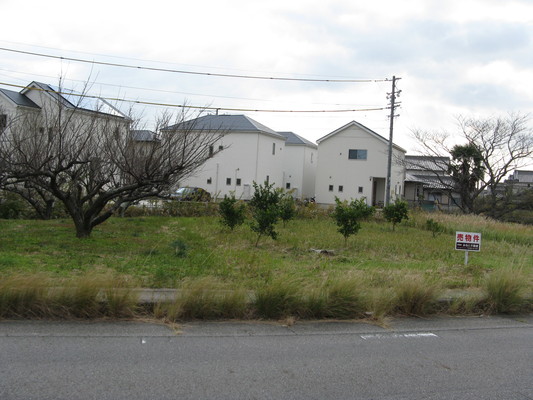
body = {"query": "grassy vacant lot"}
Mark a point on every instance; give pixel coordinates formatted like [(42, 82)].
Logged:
[(173, 252)]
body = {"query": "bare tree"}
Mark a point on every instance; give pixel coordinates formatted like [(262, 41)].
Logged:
[(505, 143), (89, 162)]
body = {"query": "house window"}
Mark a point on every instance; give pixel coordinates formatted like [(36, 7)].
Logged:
[(228, 181), (3, 121), (288, 185), (312, 158), (357, 154), (209, 181), (360, 190), (220, 148), (267, 181), (341, 188), (211, 151), (331, 188), (273, 148), (238, 181)]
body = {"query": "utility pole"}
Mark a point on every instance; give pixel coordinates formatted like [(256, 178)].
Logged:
[(392, 96)]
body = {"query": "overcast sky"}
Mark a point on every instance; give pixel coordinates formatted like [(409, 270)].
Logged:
[(454, 57)]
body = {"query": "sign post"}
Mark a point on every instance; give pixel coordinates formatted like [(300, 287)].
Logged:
[(467, 241)]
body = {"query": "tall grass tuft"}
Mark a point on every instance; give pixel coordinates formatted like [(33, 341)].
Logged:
[(415, 296), (506, 291), (22, 296), (339, 299), (87, 296), (205, 298), (279, 299), (345, 300), (381, 303)]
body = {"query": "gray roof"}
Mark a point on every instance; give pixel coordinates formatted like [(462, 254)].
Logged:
[(71, 99), (427, 163), (143, 135), (432, 181), (18, 99), (225, 123), (296, 140)]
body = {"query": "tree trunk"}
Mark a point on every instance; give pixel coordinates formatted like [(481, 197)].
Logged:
[(83, 230)]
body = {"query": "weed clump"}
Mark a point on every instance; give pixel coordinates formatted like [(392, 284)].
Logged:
[(204, 298), (505, 291), (279, 299), (415, 296), (87, 297), (436, 228)]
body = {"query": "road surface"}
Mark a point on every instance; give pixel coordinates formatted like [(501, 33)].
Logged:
[(411, 359)]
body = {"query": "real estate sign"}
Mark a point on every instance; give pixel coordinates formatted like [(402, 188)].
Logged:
[(468, 241)]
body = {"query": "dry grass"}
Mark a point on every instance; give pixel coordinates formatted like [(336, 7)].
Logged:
[(204, 298), (87, 296), (415, 296), (506, 291)]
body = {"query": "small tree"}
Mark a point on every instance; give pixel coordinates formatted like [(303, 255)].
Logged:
[(434, 227), (467, 171), (265, 210), (287, 208), (396, 212), (348, 216), (231, 212)]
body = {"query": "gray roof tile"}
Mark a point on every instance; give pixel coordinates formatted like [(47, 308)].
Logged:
[(143, 136), (229, 123), (18, 99), (296, 140)]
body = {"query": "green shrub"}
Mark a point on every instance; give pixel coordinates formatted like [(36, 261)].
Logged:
[(287, 208), (232, 212), (265, 210), (348, 216), (434, 227), (396, 212), (180, 248), (12, 206)]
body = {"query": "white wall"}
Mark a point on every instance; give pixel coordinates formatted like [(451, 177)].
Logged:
[(245, 156), (334, 167), (299, 166)]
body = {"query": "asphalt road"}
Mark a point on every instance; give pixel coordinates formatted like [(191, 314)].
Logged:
[(444, 358)]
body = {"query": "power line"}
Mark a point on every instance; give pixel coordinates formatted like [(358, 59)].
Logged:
[(192, 72), (81, 95), (146, 60), (155, 90)]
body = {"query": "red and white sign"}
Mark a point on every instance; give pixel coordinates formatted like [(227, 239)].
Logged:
[(468, 241)]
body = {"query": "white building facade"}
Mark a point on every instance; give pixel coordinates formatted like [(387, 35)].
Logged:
[(352, 164), (247, 152), (299, 166)]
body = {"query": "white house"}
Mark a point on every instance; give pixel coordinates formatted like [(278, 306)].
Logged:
[(44, 102), (352, 164), (299, 165), (247, 152)]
